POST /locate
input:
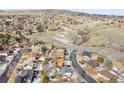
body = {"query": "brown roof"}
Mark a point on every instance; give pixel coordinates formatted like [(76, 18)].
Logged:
[(107, 74)]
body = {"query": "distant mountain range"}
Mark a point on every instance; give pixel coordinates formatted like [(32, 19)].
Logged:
[(2, 11), (59, 11)]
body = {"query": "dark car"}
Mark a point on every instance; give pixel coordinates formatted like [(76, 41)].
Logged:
[(10, 52), (35, 74), (2, 58)]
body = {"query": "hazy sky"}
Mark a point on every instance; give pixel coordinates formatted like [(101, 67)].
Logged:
[(61, 4), (101, 11)]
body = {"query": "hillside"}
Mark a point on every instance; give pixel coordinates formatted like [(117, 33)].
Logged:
[(86, 30)]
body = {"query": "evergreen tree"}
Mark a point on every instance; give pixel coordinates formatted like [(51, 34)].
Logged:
[(100, 59), (108, 65)]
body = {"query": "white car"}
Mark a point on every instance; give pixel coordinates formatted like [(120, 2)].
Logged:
[(9, 58), (16, 51), (68, 74)]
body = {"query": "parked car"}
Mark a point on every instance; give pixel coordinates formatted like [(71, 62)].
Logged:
[(2, 59)]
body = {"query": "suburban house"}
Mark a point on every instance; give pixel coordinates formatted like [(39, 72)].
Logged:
[(106, 75)]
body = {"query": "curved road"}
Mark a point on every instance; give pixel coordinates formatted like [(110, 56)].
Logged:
[(79, 69), (104, 52)]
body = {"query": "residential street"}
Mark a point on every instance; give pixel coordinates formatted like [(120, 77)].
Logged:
[(77, 67), (4, 77)]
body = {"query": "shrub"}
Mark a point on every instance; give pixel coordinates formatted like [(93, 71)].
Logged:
[(44, 77), (108, 65), (113, 80), (44, 50), (100, 59), (40, 29)]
